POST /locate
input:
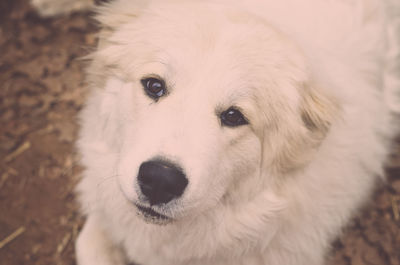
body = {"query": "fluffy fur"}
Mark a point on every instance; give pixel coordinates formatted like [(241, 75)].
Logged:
[(311, 77)]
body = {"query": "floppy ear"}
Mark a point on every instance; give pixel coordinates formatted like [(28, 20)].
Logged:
[(112, 14), (317, 112), (295, 142)]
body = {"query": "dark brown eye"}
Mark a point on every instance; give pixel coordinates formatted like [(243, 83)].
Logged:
[(232, 118), (154, 88)]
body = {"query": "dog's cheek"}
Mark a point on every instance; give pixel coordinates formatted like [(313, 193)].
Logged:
[(239, 169), (111, 107)]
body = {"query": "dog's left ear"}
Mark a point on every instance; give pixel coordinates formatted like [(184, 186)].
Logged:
[(295, 142), (317, 111)]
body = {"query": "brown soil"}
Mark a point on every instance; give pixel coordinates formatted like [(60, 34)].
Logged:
[(42, 90)]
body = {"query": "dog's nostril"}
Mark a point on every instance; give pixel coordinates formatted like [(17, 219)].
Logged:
[(161, 181)]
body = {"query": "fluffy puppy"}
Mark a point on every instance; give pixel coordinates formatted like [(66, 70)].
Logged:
[(245, 132)]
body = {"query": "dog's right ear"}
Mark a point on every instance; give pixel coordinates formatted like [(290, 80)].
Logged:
[(112, 14)]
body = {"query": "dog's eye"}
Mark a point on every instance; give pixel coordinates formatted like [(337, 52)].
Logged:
[(232, 118), (155, 88)]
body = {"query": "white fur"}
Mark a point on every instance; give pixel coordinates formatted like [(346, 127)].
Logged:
[(311, 77)]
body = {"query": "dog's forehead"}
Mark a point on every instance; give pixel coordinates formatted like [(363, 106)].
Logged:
[(190, 35), (211, 46)]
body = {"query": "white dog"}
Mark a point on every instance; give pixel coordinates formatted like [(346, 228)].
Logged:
[(234, 132)]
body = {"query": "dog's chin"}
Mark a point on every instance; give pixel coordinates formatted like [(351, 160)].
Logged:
[(151, 216)]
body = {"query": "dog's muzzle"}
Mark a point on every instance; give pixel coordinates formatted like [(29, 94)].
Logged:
[(161, 181)]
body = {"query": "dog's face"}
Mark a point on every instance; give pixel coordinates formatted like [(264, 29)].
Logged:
[(208, 107)]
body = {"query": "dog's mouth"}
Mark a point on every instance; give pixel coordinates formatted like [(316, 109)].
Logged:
[(152, 216)]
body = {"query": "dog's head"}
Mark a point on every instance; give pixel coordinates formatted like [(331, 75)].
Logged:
[(205, 105)]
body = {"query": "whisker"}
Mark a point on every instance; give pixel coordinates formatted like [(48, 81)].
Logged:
[(108, 178)]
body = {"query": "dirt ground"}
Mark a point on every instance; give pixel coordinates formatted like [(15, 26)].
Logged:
[(41, 92)]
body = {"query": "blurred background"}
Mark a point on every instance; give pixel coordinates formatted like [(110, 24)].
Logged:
[(41, 91)]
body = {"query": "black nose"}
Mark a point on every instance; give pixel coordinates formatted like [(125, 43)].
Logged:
[(161, 181)]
